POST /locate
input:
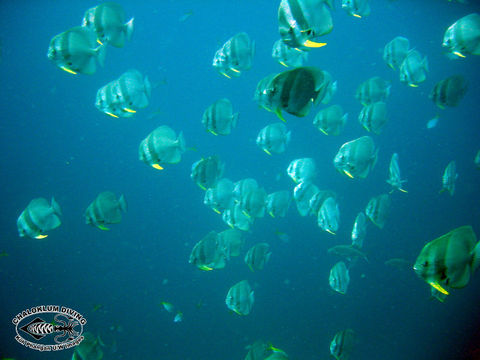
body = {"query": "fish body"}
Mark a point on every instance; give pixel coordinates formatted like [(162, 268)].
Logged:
[(288, 56), (243, 187), (342, 344), (278, 203), (395, 51), (373, 90), (359, 230), (162, 146), (302, 170), (463, 37), (433, 122), (476, 160), (356, 8), (394, 177), (330, 120), (317, 200), (339, 278), (235, 56), (348, 252), (38, 218), (220, 197), (413, 69), (231, 241), (253, 202), (356, 158), (235, 217), (378, 209), (240, 298), (108, 21), (273, 138), (105, 209), (301, 22), (448, 92), (294, 91), (207, 171), (449, 177), (124, 96), (219, 118), (449, 260), (373, 117), (302, 194), (257, 256), (329, 216), (208, 254), (76, 51)]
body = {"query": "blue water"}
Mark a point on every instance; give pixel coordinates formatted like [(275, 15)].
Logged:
[(54, 142)]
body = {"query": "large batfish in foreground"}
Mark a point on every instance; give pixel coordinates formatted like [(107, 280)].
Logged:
[(450, 260)]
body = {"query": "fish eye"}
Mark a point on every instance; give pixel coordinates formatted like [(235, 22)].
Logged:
[(425, 263)]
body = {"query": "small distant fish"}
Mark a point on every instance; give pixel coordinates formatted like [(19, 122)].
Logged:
[(395, 51), (167, 306), (359, 230), (235, 56), (278, 203), (329, 216), (257, 256), (302, 194), (76, 50), (38, 218), (105, 209), (301, 170), (399, 263), (339, 278), (282, 236), (394, 177), (449, 177), (4, 254), (378, 209), (477, 159), (185, 16), (178, 317), (219, 118), (356, 8), (433, 122), (449, 91), (108, 22), (414, 68), (240, 298), (342, 344)]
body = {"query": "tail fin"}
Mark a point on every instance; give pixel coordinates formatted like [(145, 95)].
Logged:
[(123, 203), (129, 29), (476, 257), (181, 142), (56, 208), (100, 53)]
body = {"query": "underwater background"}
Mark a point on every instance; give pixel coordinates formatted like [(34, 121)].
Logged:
[(54, 142)]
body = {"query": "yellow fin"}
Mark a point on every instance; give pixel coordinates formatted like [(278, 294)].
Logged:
[(268, 152), (68, 70), (437, 286), (413, 85), (213, 132), (130, 110), (225, 75), (205, 268), (237, 71), (313, 44), (279, 114), (156, 166), (330, 231), (109, 113), (98, 41), (41, 236), (459, 54), (101, 227), (217, 211), (357, 16), (202, 187), (246, 214), (348, 174), (323, 131), (282, 63), (271, 214), (403, 190)]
